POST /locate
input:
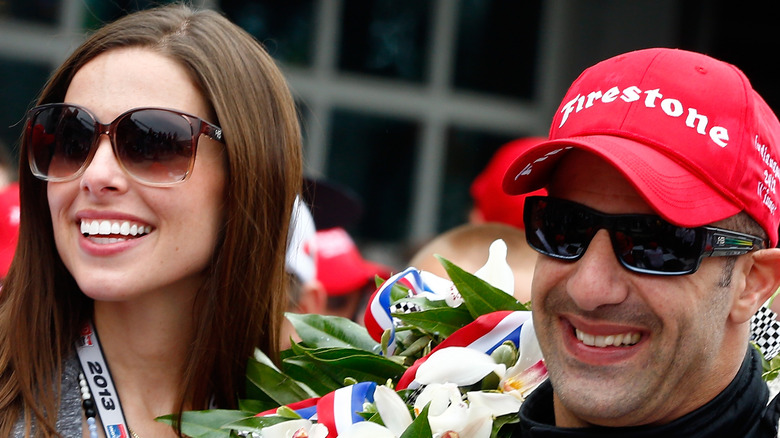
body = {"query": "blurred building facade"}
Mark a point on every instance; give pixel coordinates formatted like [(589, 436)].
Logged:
[(404, 101)]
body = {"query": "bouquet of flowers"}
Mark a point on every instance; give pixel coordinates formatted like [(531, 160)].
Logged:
[(437, 358)]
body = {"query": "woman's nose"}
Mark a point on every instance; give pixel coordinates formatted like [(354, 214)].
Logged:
[(104, 173)]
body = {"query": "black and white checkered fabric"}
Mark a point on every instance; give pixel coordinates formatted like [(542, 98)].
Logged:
[(403, 307), (765, 332)]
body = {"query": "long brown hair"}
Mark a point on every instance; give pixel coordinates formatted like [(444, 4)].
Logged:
[(240, 305)]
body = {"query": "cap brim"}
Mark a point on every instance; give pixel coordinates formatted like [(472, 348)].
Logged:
[(674, 191)]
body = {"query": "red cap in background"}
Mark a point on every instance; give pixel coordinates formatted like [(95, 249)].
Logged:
[(340, 267), (487, 192), (9, 225)]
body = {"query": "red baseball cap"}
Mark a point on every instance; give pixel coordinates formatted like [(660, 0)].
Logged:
[(688, 131), (489, 198), (9, 225), (340, 267)]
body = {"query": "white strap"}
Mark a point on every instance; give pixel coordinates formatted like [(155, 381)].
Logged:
[(95, 368)]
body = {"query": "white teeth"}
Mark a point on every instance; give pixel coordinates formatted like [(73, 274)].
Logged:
[(93, 228), (621, 339)]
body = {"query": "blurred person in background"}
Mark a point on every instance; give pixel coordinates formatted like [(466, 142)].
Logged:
[(347, 278), (329, 276), (467, 246), (9, 210), (305, 293), (494, 215), (490, 203)]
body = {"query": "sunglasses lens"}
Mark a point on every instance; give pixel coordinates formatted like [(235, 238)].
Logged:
[(557, 230), (60, 139), (155, 146), (653, 245), (642, 243)]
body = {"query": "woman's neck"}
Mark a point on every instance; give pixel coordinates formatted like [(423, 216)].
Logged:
[(145, 343)]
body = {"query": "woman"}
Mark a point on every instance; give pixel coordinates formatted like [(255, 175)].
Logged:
[(167, 234)]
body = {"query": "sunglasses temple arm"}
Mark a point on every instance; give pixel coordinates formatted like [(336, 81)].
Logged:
[(213, 131), (720, 244)]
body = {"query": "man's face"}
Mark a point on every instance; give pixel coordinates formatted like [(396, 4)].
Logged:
[(669, 336)]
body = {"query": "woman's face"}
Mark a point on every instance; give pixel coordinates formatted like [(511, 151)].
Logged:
[(180, 224)]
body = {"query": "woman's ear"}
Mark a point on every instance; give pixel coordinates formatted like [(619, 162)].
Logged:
[(762, 279)]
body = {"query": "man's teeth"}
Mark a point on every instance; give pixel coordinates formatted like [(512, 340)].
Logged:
[(608, 341), (117, 228)]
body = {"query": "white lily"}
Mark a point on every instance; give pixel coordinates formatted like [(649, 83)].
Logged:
[(295, 429), (447, 410), (448, 413), (443, 289), (365, 429), (459, 365), (394, 412), (496, 270), (529, 371), (496, 403)]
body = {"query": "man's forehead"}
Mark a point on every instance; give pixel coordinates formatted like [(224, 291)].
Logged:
[(588, 179)]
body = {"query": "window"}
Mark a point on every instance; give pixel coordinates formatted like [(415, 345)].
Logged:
[(373, 155)]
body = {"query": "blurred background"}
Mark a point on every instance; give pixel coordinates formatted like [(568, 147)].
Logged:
[(405, 101)]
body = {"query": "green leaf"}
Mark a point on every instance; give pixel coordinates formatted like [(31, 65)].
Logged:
[(266, 384), (398, 291), (320, 331), (327, 368), (479, 297), (255, 424), (302, 368), (253, 405), (442, 321), (420, 428), (207, 424), (499, 423)]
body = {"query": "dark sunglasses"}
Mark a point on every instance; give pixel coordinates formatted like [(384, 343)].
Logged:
[(643, 243), (155, 146)]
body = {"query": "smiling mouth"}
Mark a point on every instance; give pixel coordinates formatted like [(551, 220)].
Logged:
[(107, 231), (617, 340)]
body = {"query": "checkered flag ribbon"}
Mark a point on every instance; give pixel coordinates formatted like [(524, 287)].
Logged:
[(380, 308), (765, 332)]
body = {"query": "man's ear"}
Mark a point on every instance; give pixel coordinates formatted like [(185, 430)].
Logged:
[(313, 298), (762, 279)]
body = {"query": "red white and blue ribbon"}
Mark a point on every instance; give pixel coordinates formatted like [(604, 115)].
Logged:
[(378, 316), (485, 334), (339, 409), (307, 409)]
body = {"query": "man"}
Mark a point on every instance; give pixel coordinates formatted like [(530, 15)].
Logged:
[(306, 294), (654, 149)]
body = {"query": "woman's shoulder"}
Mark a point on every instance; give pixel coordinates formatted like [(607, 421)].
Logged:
[(69, 415)]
